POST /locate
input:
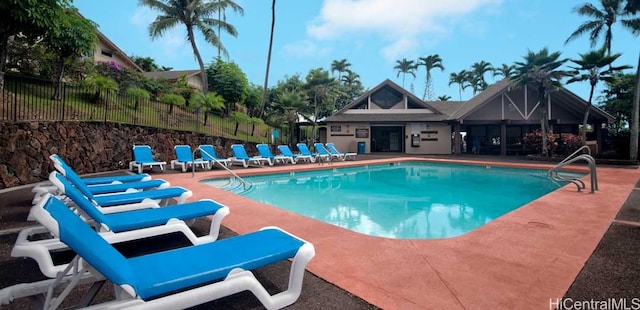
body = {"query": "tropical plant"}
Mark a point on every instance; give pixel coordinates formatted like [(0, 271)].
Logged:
[(461, 79), (596, 66), (429, 63), (194, 15), (229, 81), (602, 20), (172, 100), (444, 98), (148, 64), (506, 71), (206, 103), (238, 117), (476, 78), (618, 99), (341, 66), (404, 67), (322, 91), (30, 18), (288, 106), (75, 36), (541, 70), (100, 84), (137, 94)]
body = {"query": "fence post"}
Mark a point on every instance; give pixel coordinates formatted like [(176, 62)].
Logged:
[(64, 98), (106, 105), (15, 101)]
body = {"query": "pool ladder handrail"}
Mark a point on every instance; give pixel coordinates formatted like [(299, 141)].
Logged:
[(233, 174), (554, 175)]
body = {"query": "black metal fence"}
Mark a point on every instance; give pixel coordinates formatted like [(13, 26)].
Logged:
[(30, 99)]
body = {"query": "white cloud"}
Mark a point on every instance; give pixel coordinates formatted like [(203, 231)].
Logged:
[(171, 45), (399, 24), (304, 49)]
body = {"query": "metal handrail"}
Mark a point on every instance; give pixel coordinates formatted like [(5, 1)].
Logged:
[(576, 152), (553, 172), (193, 170)]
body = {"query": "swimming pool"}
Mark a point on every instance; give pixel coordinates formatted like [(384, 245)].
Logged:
[(408, 200)]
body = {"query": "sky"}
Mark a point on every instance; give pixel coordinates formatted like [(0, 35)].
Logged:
[(371, 34)]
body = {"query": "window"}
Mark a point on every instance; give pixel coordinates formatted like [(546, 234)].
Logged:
[(106, 53)]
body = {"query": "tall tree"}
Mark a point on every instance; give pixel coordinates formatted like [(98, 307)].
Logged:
[(74, 37), (595, 66), (602, 19), (476, 78), (341, 66), (459, 78), (194, 15), (429, 63), (148, 64), (287, 107), (228, 81), (266, 74), (506, 71), (632, 7), (404, 67), (206, 103), (618, 99), (31, 18), (321, 91), (541, 70)]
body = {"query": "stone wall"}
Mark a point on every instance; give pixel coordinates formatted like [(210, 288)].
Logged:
[(87, 147)]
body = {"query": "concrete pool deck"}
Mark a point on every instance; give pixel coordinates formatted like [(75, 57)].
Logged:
[(520, 260)]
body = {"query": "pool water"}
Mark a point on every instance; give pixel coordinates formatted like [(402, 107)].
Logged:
[(403, 200)]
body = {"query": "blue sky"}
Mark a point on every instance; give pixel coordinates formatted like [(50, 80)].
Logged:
[(371, 34)]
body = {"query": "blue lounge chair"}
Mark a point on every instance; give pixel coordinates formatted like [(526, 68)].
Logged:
[(143, 158), (265, 152), (240, 156), (117, 220), (123, 198), (113, 187), (286, 151), (99, 185), (175, 279), (323, 151), (184, 159), (304, 150), (208, 153), (334, 151)]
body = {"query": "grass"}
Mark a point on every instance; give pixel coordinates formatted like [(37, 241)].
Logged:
[(33, 102)]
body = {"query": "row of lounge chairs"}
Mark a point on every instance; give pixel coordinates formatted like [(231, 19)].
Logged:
[(91, 217), (186, 159)]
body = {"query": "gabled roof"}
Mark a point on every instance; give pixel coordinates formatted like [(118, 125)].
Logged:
[(411, 114), (116, 50), (569, 100), (172, 75)]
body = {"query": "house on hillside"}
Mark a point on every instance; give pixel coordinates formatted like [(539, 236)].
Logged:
[(389, 118), (192, 77), (107, 51)]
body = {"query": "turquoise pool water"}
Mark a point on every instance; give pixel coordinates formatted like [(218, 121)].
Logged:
[(402, 200)]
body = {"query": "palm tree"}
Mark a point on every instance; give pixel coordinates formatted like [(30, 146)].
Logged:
[(444, 98), (592, 64), (459, 78), (506, 71), (430, 62), (288, 105), (602, 20), (541, 70), (341, 66), (632, 7), (206, 103), (478, 70), (351, 78), (193, 14), (405, 66), (266, 75)]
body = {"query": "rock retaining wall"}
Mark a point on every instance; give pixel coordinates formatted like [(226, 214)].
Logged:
[(87, 147)]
